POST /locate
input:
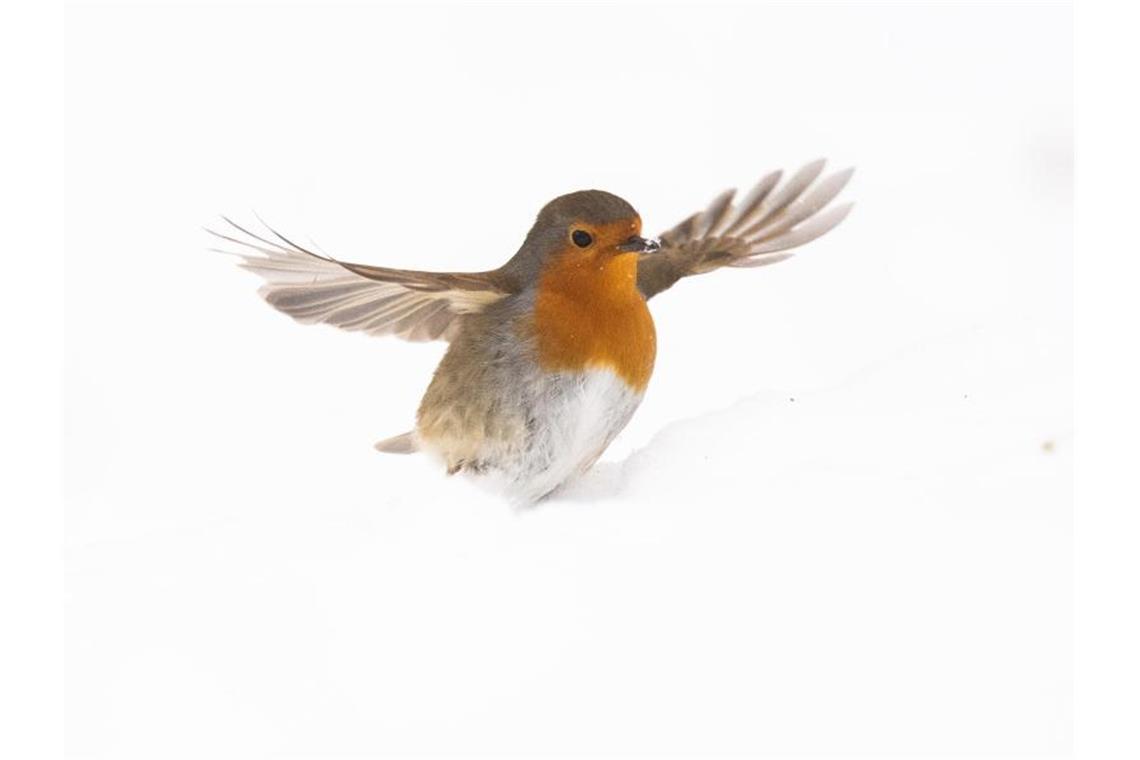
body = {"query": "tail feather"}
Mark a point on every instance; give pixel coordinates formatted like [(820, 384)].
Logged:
[(405, 443)]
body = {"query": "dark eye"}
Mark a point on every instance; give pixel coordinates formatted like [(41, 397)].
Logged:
[(581, 238)]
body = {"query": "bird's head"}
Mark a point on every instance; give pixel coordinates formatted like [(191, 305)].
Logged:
[(587, 227)]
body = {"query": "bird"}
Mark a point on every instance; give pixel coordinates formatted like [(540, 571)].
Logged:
[(550, 354)]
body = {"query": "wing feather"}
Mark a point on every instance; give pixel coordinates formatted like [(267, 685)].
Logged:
[(751, 206), (809, 231), (312, 288), (772, 219), (715, 216), (775, 203)]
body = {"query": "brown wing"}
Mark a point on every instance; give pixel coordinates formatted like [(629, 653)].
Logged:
[(760, 229), (313, 288)]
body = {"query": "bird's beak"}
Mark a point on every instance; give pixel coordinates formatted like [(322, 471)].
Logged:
[(638, 244)]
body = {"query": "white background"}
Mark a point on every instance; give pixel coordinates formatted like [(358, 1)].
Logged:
[(881, 565)]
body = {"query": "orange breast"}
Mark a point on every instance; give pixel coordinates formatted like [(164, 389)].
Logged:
[(589, 314)]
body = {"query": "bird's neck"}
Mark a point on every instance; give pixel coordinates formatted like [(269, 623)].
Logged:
[(589, 314)]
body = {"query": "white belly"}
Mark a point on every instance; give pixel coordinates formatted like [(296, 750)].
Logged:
[(576, 417)]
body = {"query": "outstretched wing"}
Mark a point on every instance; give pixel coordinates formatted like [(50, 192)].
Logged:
[(760, 229), (314, 288)]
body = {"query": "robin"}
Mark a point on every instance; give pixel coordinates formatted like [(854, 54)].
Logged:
[(551, 353)]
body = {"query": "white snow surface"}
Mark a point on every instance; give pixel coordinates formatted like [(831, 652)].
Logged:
[(840, 522)]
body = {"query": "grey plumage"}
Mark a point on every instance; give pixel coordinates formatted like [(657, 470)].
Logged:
[(771, 220), (313, 288)]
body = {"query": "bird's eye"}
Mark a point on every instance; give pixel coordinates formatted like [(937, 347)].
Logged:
[(581, 238)]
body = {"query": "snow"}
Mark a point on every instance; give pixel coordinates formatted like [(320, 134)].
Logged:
[(892, 564), (839, 523)]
